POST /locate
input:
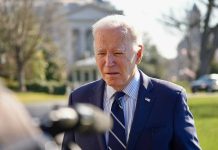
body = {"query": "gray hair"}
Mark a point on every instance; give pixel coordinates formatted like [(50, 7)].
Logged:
[(114, 21)]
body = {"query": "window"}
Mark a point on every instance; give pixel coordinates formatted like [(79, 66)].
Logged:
[(78, 75), (89, 40), (86, 76), (94, 74)]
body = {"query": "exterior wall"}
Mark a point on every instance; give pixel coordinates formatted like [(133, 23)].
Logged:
[(76, 44), (73, 35)]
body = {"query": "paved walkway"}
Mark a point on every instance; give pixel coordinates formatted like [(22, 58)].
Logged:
[(37, 110)]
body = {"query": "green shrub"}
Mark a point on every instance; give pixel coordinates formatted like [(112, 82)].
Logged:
[(51, 87), (60, 90), (37, 87), (11, 84)]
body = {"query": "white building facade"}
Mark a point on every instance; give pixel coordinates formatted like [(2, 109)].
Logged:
[(77, 43)]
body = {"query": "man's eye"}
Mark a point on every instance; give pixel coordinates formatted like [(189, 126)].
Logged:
[(101, 53), (118, 53)]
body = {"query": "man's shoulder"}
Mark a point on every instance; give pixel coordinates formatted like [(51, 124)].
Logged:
[(161, 84), (166, 86), (167, 89), (84, 92), (89, 87)]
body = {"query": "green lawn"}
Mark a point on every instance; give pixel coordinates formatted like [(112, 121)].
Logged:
[(31, 97), (205, 110)]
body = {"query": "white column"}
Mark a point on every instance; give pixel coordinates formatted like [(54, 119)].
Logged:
[(82, 35)]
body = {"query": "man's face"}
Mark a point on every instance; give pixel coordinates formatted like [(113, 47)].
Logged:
[(115, 57)]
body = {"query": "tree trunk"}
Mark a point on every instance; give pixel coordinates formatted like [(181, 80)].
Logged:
[(205, 61), (205, 52), (20, 70), (21, 79)]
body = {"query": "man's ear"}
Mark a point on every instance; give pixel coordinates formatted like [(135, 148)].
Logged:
[(139, 54)]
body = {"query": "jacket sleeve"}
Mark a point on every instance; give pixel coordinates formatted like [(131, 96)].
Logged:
[(185, 136)]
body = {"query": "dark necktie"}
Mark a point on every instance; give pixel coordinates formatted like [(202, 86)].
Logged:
[(117, 136)]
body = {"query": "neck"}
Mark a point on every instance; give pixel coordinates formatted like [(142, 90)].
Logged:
[(130, 78)]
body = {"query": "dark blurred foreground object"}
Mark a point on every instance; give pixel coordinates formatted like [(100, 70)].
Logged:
[(17, 130), (84, 118), (208, 82)]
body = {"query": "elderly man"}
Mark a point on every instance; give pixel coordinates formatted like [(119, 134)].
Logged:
[(148, 113)]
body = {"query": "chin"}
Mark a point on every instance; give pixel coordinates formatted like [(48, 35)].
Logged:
[(115, 85), (111, 83)]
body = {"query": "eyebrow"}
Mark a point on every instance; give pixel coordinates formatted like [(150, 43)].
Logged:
[(100, 50), (116, 49)]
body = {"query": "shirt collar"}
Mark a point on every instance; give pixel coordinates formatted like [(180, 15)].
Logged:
[(131, 89), (110, 91)]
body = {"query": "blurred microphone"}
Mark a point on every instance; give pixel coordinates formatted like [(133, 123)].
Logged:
[(85, 118)]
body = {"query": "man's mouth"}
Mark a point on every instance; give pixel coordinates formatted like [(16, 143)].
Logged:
[(112, 73)]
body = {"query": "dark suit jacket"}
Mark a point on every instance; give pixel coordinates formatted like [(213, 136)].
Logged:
[(162, 120)]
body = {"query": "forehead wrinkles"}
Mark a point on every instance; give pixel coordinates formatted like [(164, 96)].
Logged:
[(112, 36), (118, 32)]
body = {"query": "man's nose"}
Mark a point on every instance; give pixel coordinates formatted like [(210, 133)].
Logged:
[(109, 60)]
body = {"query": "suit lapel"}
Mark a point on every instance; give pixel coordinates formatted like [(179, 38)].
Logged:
[(97, 94), (97, 98), (143, 108)]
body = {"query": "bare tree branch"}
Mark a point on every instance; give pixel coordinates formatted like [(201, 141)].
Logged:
[(173, 22)]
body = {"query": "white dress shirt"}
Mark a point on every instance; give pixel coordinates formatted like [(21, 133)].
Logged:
[(128, 101)]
